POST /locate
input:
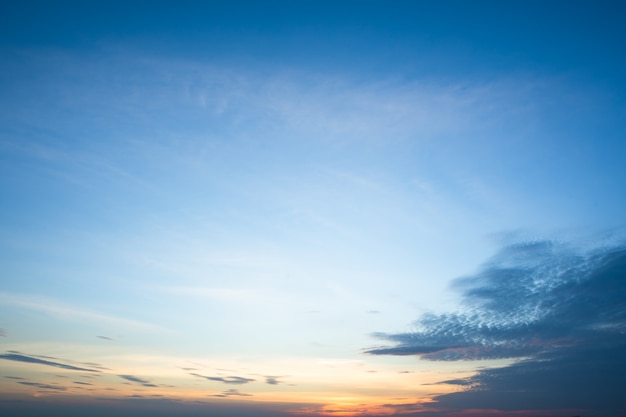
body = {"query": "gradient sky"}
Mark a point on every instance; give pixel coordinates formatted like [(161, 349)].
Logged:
[(313, 208)]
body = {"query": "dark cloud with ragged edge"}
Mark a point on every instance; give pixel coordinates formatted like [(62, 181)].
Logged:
[(558, 310), (19, 357)]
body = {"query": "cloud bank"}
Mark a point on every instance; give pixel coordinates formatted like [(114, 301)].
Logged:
[(557, 310)]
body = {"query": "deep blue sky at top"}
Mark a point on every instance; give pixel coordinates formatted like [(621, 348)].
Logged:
[(583, 37), (374, 40)]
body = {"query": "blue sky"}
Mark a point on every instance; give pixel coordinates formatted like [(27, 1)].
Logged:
[(312, 208)]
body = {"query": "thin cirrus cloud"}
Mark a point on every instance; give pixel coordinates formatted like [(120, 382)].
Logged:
[(333, 108), (546, 306), (63, 311)]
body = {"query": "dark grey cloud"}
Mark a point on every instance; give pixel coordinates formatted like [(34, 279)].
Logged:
[(138, 380), (236, 380), (557, 311), (105, 338), (18, 357)]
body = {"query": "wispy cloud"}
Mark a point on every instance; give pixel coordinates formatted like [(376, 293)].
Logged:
[(232, 393), (43, 386), (138, 380), (235, 380), (29, 359), (557, 308), (63, 311)]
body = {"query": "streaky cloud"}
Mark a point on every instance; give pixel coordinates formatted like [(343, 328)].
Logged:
[(138, 380), (29, 359), (43, 386), (235, 380), (67, 312)]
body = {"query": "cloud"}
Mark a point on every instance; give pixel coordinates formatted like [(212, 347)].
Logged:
[(236, 380), (232, 393), (273, 380), (29, 359), (105, 338), (43, 386), (66, 312), (557, 310), (3, 333), (138, 380)]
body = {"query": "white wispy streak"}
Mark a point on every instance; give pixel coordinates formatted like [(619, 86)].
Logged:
[(67, 312)]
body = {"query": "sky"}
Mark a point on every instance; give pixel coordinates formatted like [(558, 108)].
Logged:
[(313, 208)]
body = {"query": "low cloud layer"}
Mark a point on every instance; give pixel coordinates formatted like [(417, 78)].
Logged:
[(558, 311)]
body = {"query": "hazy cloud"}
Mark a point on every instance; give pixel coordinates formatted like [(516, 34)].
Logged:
[(3, 332), (232, 393), (105, 338), (560, 309), (273, 380), (29, 359)]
